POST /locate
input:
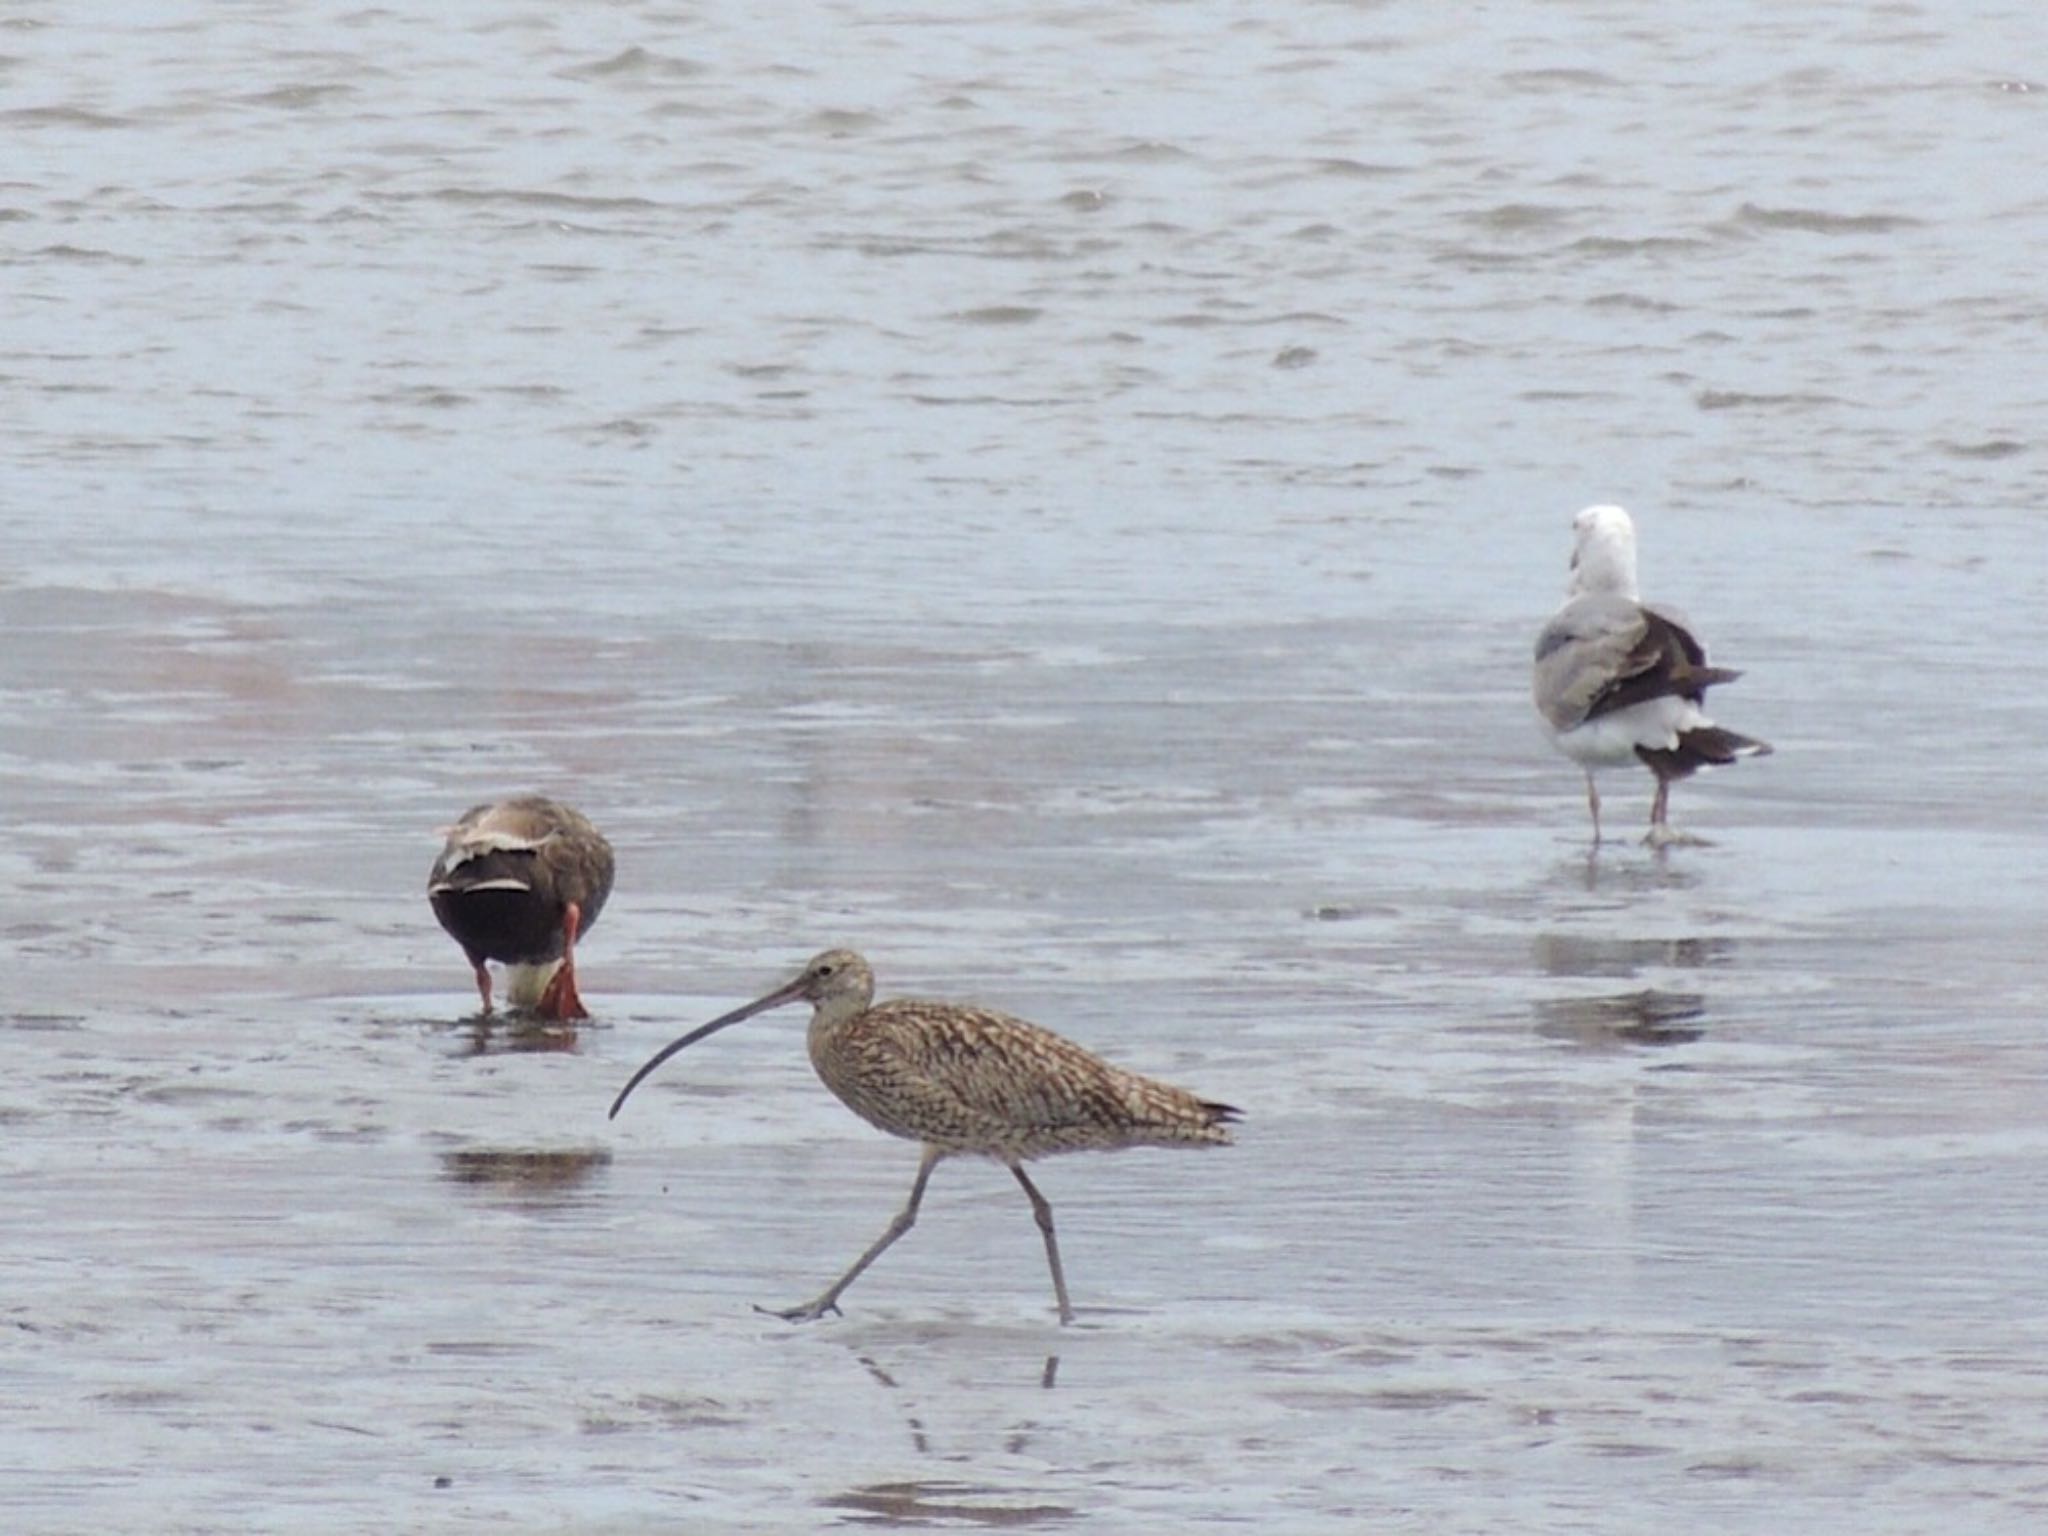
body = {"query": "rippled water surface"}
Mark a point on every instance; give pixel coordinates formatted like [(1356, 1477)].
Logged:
[(1059, 500)]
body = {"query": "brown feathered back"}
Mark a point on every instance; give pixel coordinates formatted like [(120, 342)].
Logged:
[(974, 1080)]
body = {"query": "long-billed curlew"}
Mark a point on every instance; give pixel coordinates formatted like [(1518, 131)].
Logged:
[(517, 882), (965, 1080), (1617, 682)]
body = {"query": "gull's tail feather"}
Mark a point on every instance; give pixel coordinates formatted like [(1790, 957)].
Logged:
[(1705, 746)]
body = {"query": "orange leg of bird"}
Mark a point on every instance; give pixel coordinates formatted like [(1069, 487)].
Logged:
[(561, 1000), (483, 983)]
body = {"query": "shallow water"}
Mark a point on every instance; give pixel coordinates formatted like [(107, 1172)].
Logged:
[(1060, 500)]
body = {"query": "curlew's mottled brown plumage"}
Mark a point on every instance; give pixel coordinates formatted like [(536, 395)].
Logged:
[(964, 1080), (518, 882)]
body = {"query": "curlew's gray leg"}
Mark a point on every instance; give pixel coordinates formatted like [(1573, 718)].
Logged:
[(904, 1220), (1043, 1212), (1593, 804)]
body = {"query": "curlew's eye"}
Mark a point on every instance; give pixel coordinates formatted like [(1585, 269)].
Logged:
[(824, 970)]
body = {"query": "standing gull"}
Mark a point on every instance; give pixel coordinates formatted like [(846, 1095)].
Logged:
[(518, 882), (966, 1080), (1617, 682)]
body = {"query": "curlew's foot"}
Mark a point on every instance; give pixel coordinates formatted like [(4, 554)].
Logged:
[(1663, 835), (809, 1312)]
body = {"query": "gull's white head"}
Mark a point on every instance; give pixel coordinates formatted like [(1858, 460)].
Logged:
[(1603, 553)]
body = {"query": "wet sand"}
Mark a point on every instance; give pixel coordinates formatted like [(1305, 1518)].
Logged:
[(1703, 1182)]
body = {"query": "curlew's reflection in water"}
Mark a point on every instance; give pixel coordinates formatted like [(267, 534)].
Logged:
[(942, 1501)]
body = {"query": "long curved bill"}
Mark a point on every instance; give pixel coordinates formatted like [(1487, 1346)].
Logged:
[(775, 999)]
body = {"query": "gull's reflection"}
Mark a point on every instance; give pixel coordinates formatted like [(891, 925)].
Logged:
[(1645, 1016), (1648, 1017), (1586, 954), (1619, 876), (1601, 1210)]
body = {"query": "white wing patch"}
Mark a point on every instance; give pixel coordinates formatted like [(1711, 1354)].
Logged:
[(475, 843)]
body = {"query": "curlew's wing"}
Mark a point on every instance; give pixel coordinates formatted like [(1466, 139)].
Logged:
[(1602, 653), (972, 1079)]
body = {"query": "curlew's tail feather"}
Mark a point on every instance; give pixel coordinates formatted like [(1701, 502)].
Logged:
[(1183, 1119), (1156, 1114)]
